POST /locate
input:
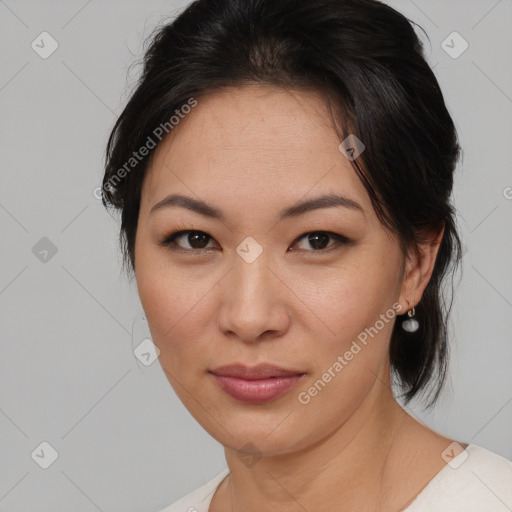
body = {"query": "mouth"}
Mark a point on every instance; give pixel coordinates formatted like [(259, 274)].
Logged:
[(258, 384)]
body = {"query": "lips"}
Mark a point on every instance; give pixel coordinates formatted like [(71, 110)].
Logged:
[(262, 371), (257, 384)]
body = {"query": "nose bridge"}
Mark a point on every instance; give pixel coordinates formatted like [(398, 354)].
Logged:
[(251, 278), (251, 298)]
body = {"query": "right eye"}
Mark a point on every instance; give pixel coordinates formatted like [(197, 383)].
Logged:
[(197, 240)]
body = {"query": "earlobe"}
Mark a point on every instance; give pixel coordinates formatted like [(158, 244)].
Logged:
[(411, 324)]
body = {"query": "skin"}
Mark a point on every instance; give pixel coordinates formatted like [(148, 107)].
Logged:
[(252, 151)]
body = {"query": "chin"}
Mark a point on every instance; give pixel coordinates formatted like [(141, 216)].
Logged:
[(254, 434)]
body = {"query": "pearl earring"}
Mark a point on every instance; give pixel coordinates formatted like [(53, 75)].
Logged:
[(411, 324)]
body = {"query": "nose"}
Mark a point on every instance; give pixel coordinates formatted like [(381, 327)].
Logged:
[(254, 306)]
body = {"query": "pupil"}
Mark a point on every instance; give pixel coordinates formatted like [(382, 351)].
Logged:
[(324, 237), (194, 236)]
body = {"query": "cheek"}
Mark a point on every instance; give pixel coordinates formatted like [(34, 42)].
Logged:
[(177, 305), (355, 304), (351, 296)]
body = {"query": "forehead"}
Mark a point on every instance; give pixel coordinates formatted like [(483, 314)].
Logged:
[(254, 117), (278, 145)]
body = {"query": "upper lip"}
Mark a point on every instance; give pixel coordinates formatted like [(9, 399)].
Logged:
[(261, 371)]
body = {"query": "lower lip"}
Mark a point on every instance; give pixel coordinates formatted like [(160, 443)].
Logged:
[(256, 391)]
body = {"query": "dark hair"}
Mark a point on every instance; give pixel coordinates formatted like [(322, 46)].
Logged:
[(367, 62)]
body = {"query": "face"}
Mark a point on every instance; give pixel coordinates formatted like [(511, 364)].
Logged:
[(253, 286)]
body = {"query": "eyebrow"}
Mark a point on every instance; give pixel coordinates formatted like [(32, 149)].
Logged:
[(207, 210)]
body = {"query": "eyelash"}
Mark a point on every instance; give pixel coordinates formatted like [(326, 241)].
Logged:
[(169, 241)]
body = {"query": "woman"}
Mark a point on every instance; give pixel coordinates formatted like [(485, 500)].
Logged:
[(284, 173)]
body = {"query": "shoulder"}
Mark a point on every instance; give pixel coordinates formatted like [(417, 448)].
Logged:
[(199, 499), (475, 480)]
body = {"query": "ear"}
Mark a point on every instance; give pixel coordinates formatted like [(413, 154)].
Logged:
[(419, 266)]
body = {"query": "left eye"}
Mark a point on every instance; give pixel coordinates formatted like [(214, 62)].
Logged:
[(198, 240), (319, 240)]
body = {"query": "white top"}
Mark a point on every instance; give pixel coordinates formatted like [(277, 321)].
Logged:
[(476, 480)]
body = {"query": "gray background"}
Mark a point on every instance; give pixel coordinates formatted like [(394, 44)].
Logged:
[(70, 320)]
